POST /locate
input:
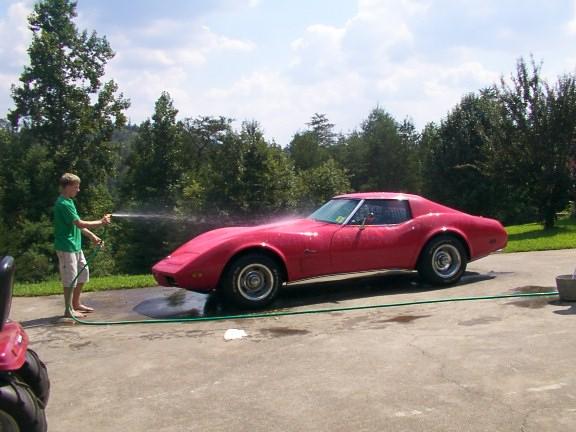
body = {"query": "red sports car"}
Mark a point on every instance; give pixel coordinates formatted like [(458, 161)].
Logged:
[(350, 234)]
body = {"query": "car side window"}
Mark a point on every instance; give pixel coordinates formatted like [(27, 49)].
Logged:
[(382, 212)]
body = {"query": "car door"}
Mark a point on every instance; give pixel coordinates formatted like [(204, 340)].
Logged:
[(380, 235), (316, 260)]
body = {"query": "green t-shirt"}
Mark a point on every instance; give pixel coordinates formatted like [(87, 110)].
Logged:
[(67, 236)]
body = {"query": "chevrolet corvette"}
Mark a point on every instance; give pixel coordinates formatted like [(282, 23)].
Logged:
[(349, 235)]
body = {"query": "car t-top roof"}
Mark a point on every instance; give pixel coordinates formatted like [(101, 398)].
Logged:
[(379, 195)]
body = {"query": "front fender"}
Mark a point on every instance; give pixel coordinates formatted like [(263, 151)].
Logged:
[(265, 247)]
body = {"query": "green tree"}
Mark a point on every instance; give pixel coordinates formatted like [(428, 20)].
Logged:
[(201, 141), (201, 138), (411, 142), (61, 102), (310, 148), (153, 166), (322, 130), (457, 155), (319, 184), (537, 149), (387, 155), (151, 186), (252, 177), (351, 153)]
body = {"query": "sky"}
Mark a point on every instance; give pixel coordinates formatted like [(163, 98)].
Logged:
[(281, 61)]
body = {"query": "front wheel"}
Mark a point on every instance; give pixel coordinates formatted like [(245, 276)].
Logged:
[(252, 281), (34, 373), (443, 261), (20, 410)]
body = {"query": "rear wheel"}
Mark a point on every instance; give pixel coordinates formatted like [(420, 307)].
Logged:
[(443, 261), (20, 410), (252, 281), (34, 373)]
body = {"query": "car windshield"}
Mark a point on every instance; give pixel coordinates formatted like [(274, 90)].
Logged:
[(335, 211)]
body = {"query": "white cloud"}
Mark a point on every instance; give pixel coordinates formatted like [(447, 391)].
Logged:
[(373, 60), (279, 66), (14, 40), (15, 35), (161, 44), (279, 103), (571, 27)]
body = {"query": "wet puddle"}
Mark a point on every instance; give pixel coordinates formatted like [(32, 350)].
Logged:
[(534, 302), (531, 303), (533, 289), (154, 303), (284, 331), (179, 304), (404, 319), (479, 321)]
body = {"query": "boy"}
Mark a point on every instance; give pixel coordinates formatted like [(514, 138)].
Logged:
[(68, 244)]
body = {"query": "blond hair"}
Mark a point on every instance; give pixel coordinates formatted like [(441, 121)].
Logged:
[(68, 179)]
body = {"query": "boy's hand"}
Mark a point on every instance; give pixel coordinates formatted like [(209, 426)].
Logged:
[(96, 240), (106, 219)]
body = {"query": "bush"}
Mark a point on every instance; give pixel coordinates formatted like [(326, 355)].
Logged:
[(33, 266)]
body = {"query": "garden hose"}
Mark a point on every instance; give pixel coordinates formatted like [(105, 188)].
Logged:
[(288, 313)]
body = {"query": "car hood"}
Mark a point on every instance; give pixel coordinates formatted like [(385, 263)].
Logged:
[(260, 233)]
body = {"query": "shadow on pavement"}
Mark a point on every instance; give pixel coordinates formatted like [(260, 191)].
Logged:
[(187, 304), (570, 311), (40, 322)]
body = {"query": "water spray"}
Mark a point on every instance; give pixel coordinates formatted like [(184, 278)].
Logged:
[(157, 216), (142, 216)]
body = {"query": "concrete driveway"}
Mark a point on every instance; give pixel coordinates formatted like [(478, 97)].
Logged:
[(489, 365)]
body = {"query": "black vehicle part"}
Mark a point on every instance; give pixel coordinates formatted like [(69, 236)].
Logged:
[(6, 281), (20, 410), (252, 281), (443, 260), (34, 373)]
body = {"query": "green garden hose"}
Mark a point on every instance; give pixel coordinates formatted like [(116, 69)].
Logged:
[(313, 311), (287, 313)]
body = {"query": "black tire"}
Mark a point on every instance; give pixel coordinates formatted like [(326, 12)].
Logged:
[(20, 410), (34, 373), (443, 261), (252, 281)]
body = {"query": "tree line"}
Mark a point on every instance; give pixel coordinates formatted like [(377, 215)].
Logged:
[(506, 151)]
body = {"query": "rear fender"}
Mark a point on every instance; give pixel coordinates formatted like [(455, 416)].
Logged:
[(444, 231), (13, 346)]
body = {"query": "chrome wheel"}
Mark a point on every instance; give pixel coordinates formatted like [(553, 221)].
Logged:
[(446, 261), (255, 282)]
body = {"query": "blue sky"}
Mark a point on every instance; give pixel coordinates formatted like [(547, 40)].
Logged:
[(279, 62)]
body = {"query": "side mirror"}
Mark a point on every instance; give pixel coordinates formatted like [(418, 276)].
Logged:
[(369, 218)]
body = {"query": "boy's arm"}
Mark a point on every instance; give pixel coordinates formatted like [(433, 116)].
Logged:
[(93, 237), (92, 224)]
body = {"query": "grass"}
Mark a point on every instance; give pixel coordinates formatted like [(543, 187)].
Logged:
[(103, 283), (533, 236), (521, 238)]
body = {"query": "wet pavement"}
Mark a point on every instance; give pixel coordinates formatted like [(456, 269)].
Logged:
[(498, 365)]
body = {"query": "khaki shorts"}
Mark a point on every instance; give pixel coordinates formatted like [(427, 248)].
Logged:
[(70, 263)]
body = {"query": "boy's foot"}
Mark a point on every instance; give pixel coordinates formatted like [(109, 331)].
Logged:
[(83, 308), (74, 314)]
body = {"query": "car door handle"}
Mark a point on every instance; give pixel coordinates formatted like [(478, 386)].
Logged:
[(309, 251)]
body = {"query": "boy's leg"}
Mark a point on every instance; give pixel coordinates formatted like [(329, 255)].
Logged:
[(83, 277), (67, 267), (76, 304)]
